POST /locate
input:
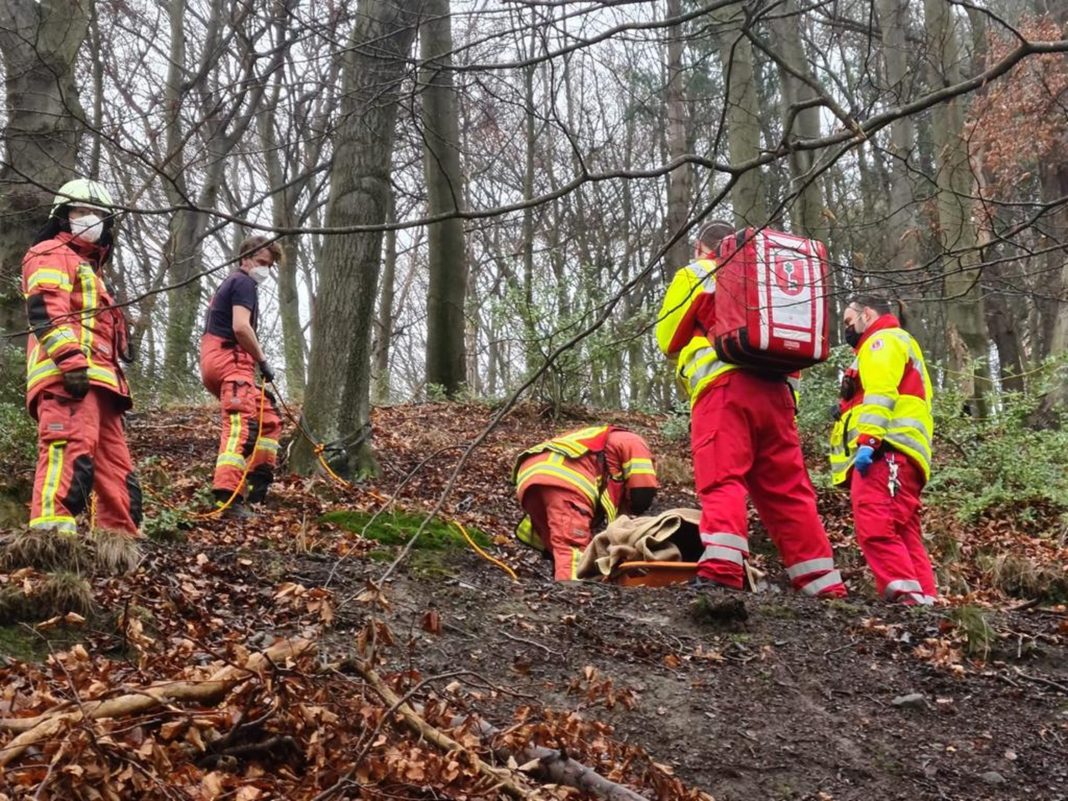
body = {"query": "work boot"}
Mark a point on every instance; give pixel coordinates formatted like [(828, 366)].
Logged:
[(257, 488), (702, 584), (236, 510)]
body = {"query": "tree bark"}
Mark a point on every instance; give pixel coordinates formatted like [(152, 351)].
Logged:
[(337, 406), (961, 258), (39, 42), (384, 320), (803, 117), (743, 115), (446, 358), (679, 180)]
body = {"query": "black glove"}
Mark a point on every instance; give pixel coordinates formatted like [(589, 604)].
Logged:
[(266, 372), (76, 382)]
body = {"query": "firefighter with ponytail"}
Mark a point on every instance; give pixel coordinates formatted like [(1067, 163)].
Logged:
[(75, 387), (567, 484), (744, 439), (881, 447), (230, 354)]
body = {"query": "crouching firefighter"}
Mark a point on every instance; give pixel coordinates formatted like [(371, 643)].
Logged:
[(568, 484), (229, 355), (75, 387), (881, 448)]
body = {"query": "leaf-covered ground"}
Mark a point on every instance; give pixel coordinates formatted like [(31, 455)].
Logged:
[(779, 697)]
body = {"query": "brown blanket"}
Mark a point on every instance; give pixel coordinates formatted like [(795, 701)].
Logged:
[(671, 536)]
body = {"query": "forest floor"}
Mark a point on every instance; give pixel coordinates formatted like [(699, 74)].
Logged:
[(737, 697)]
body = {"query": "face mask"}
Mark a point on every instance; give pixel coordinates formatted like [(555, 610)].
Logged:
[(851, 336), (87, 228), (259, 273)]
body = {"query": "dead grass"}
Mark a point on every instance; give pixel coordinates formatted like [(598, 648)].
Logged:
[(115, 553), (1023, 577), (974, 626), (674, 470), (60, 592), (45, 549)]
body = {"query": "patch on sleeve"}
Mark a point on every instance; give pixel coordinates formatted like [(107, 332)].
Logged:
[(877, 343)]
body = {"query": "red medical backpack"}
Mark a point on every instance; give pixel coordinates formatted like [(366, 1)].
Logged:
[(771, 300)]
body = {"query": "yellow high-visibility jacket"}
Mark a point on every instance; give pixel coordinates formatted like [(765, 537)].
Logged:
[(681, 335), (892, 402)]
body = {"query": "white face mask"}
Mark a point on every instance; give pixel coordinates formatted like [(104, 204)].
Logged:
[(87, 228), (259, 273)]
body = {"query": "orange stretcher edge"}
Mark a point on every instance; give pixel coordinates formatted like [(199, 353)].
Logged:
[(653, 574)]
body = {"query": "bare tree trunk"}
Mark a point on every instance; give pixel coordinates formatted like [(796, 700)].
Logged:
[(743, 115), (446, 358), (679, 180), (39, 42), (802, 115), (384, 320), (338, 404), (967, 325)]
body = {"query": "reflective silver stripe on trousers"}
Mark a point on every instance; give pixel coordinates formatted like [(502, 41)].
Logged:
[(725, 538), (921, 599), (810, 566), (723, 554), (818, 585), (902, 587)]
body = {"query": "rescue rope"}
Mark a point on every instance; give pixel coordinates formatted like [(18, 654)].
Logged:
[(320, 447), (482, 553)]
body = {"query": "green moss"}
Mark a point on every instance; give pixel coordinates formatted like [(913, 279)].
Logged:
[(17, 642), (396, 528)]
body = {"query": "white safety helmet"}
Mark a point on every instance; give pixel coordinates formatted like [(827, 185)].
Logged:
[(82, 192)]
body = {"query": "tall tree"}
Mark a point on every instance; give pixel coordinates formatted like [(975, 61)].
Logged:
[(961, 257), (679, 180), (801, 114), (337, 405), (446, 359), (742, 114), (39, 42)]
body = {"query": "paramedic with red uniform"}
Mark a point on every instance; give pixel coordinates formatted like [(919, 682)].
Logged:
[(743, 440), (75, 387), (229, 355), (881, 446), (565, 482)]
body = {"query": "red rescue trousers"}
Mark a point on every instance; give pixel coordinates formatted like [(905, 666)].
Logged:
[(744, 440), (888, 529), (229, 373), (563, 519), (81, 448)]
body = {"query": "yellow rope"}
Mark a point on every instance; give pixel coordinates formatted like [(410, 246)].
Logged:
[(482, 553)]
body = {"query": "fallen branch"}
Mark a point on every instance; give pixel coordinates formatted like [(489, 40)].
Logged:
[(554, 766), (46, 725), (501, 778), (551, 766)]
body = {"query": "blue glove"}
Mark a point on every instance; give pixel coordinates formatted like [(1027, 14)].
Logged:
[(863, 460)]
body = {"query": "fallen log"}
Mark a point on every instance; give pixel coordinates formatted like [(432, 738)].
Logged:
[(46, 725)]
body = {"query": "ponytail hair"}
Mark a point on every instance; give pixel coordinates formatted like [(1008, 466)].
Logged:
[(882, 303)]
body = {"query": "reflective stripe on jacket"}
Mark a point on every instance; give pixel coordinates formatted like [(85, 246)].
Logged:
[(680, 332), (72, 319), (587, 462), (892, 402)]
